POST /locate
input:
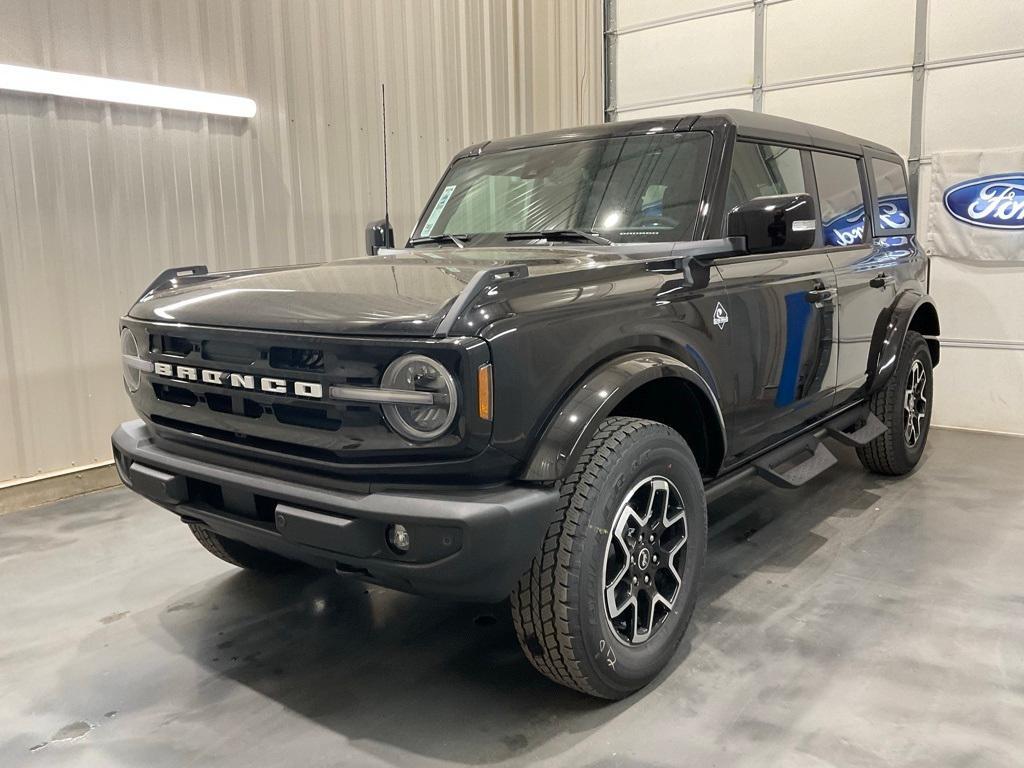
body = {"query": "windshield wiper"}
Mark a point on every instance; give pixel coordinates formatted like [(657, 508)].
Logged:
[(558, 234), (459, 240)]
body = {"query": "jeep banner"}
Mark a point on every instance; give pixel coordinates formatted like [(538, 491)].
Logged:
[(976, 205)]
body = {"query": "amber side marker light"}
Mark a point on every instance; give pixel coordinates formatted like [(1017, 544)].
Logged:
[(484, 391)]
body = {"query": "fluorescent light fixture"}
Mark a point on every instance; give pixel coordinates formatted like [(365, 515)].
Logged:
[(44, 81)]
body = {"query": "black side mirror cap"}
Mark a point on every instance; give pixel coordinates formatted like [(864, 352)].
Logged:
[(775, 223), (379, 234)]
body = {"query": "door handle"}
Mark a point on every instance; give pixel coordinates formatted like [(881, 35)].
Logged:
[(881, 280), (821, 295)]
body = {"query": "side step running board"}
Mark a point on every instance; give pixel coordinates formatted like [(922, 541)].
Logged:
[(807, 458), (872, 428), (794, 464)]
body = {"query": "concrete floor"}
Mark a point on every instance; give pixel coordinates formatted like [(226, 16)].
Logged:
[(857, 622)]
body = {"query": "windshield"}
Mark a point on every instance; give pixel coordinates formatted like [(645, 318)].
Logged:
[(633, 189)]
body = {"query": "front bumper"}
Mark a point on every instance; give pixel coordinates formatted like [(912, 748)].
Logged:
[(466, 543)]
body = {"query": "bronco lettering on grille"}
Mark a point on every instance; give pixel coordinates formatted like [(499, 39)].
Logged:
[(248, 381)]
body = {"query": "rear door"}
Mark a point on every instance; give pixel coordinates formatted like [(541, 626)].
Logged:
[(782, 320), (863, 263)]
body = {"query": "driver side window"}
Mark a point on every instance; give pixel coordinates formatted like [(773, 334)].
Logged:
[(763, 169)]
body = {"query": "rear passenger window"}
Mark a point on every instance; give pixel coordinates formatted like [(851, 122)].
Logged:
[(763, 169), (891, 188), (840, 198)]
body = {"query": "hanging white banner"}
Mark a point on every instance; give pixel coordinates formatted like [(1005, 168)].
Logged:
[(976, 205)]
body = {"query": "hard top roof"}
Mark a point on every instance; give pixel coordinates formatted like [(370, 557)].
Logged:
[(747, 123)]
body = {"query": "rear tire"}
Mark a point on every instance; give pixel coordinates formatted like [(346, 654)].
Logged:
[(904, 405), (635, 498), (242, 555)]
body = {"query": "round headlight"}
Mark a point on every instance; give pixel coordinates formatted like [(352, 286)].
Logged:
[(417, 373), (130, 348)]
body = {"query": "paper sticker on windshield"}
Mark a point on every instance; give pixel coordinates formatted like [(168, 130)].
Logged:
[(435, 214)]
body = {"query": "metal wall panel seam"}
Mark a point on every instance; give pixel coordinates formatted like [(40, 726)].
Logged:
[(839, 77), (720, 10), (608, 38), (917, 99), (975, 58), (702, 96), (759, 56), (1016, 346)]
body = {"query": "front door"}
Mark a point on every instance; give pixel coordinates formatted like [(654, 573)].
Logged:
[(782, 330), (782, 315)]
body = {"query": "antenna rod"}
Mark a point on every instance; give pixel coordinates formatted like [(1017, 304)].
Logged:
[(388, 238)]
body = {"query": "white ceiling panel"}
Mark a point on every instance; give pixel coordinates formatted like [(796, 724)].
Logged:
[(630, 12), (809, 38), (874, 108), (977, 106), (958, 28), (689, 58)]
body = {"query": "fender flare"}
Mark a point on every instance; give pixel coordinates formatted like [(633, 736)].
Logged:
[(594, 397), (890, 333)]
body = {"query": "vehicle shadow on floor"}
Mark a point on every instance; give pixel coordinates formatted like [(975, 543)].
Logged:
[(448, 681)]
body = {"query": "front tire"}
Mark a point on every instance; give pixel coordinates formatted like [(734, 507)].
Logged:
[(241, 554), (904, 405), (608, 598)]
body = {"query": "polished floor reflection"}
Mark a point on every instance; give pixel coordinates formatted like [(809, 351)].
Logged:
[(858, 621)]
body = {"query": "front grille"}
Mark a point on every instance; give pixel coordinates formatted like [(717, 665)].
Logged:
[(172, 394), (300, 416), (250, 417), (262, 443), (166, 344), (292, 359), (231, 352)]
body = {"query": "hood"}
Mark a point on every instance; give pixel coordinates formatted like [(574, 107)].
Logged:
[(404, 293)]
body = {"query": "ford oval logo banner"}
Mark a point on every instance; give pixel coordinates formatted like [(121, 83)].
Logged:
[(976, 205), (995, 202)]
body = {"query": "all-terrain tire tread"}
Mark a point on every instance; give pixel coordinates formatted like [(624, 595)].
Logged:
[(540, 608), (881, 455)]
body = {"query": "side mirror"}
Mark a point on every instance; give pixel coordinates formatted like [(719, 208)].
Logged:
[(775, 223), (379, 234)]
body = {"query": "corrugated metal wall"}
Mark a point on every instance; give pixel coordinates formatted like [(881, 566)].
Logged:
[(96, 199)]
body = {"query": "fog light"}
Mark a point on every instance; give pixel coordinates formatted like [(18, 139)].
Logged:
[(398, 538)]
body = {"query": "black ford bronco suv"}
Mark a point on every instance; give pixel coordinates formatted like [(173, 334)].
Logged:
[(588, 334)]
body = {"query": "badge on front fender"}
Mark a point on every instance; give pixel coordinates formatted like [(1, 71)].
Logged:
[(721, 316)]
